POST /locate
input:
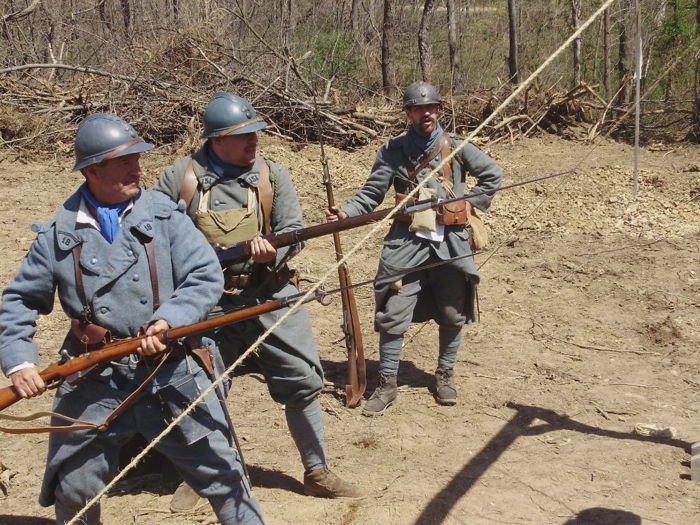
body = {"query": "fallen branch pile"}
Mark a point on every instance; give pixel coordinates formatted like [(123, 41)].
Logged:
[(164, 99)]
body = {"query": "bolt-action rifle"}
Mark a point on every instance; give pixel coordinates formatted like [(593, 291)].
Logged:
[(241, 251), (69, 367), (357, 371)]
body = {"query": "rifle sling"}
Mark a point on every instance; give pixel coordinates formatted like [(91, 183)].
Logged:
[(85, 425), (79, 424)]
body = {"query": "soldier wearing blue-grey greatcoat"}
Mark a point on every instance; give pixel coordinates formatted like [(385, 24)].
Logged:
[(233, 195), (445, 293), (117, 285)]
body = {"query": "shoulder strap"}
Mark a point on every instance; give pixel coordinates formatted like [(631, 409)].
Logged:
[(265, 195), (445, 150), (189, 185), (437, 146), (86, 314)]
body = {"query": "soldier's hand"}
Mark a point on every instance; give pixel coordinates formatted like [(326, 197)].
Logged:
[(261, 250), (151, 345), (333, 213), (28, 382)]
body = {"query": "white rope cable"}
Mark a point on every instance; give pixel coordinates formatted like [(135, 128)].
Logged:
[(333, 269)]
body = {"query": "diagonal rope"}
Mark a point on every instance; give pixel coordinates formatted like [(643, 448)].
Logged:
[(334, 267)]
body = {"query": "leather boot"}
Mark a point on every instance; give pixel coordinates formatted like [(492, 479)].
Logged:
[(185, 499), (322, 483), (382, 397), (445, 390)]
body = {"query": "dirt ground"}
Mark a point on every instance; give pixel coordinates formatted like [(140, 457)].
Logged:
[(590, 304)]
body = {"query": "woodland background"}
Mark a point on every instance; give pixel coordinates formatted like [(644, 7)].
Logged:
[(157, 62), (591, 319)]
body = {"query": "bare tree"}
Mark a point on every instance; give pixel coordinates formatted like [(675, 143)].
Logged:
[(126, 13), (695, 123), (54, 38), (103, 14), (452, 42), (576, 44), (624, 58), (513, 42), (355, 16), (423, 46), (606, 53), (388, 70)]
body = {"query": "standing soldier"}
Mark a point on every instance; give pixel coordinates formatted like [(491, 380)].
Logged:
[(120, 259), (232, 194), (445, 293)]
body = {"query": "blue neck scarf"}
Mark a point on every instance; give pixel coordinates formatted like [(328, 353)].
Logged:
[(424, 143), (107, 215), (221, 168)]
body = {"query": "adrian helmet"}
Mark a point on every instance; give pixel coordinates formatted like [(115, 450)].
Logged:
[(228, 114), (102, 137), (420, 94)]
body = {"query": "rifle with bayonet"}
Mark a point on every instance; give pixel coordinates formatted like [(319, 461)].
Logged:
[(240, 251), (357, 371), (70, 367)]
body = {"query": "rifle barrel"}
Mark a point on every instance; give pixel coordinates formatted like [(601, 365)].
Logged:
[(70, 366), (241, 250)]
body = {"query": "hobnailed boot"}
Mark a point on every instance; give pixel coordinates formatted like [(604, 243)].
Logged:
[(382, 397), (322, 483), (445, 390)]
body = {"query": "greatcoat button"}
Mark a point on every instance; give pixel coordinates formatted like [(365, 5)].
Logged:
[(144, 300)]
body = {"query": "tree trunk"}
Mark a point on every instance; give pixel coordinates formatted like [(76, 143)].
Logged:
[(576, 44), (355, 17), (126, 13), (55, 35), (452, 43), (103, 14), (624, 58), (513, 42), (423, 45), (388, 72), (606, 54), (694, 134)]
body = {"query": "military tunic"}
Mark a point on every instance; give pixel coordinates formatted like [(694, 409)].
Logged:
[(288, 357), (118, 289), (404, 250)]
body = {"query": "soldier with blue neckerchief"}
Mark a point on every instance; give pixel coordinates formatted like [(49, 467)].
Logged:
[(121, 259)]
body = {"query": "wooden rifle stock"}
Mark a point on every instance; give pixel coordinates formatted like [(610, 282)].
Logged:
[(240, 251), (357, 371), (68, 366)]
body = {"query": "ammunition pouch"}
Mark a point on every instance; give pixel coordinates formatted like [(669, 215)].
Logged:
[(453, 214), (263, 276), (87, 337)]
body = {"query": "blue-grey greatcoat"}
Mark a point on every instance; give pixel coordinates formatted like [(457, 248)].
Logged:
[(288, 357), (404, 250), (118, 287)]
